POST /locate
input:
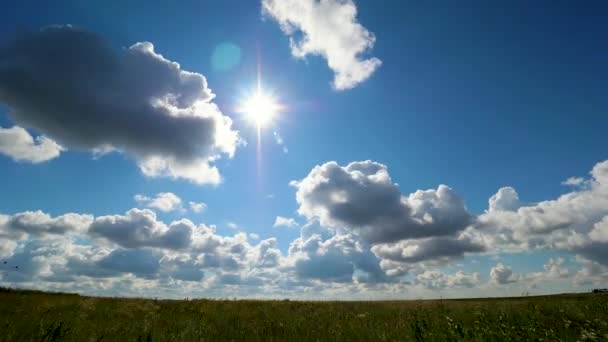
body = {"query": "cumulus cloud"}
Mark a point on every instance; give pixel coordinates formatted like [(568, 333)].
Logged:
[(320, 254), (140, 228), (18, 144), (599, 232), (38, 223), (288, 222), (401, 230), (573, 222), (417, 250), (362, 198), (73, 87), (163, 201), (328, 28), (506, 199), (73, 249), (439, 280), (503, 274)]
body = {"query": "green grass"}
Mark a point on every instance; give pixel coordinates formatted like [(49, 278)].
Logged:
[(39, 316)]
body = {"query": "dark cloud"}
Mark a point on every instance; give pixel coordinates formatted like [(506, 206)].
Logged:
[(140, 262), (417, 250), (140, 228), (72, 86), (361, 198)]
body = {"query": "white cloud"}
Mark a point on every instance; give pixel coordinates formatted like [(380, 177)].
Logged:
[(135, 101), (438, 280), (328, 28), (506, 199), (288, 222), (163, 201), (140, 228), (599, 232), (573, 222), (197, 207), (502, 274), (574, 181), (18, 144)]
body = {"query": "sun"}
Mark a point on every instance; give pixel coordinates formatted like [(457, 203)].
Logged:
[(260, 109)]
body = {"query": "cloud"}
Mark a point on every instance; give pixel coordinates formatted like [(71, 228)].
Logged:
[(361, 198), (164, 201), (140, 228), (437, 280), (18, 144), (141, 262), (327, 28), (502, 274), (38, 223), (436, 248), (599, 233), (506, 199), (426, 227), (288, 222), (574, 181), (574, 222), (73, 87), (319, 254), (197, 207)]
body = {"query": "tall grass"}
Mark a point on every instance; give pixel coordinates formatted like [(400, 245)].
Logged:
[(39, 316)]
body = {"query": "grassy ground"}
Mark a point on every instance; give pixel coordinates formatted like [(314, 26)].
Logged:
[(39, 316)]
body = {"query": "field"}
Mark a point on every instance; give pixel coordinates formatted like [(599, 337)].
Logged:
[(39, 316)]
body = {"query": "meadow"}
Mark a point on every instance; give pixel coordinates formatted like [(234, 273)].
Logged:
[(40, 316)]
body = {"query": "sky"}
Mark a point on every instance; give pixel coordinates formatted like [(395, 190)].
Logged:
[(307, 149)]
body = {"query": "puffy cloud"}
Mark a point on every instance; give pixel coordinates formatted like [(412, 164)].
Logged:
[(401, 230), (164, 201), (73, 87), (506, 199), (140, 228), (599, 232), (281, 221), (417, 250), (197, 207), (502, 274), (573, 222), (438, 280), (319, 254), (591, 273), (19, 145), (553, 268), (68, 249), (38, 223), (362, 198), (328, 28)]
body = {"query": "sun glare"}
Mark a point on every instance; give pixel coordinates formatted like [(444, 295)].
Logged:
[(261, 109)]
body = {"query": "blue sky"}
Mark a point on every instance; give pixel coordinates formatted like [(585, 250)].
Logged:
[(473, 95)]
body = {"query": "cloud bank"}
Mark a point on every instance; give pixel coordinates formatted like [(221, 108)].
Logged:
[(363, 237)]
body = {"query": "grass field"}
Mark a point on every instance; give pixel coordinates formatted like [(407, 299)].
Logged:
[(39, 316)]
